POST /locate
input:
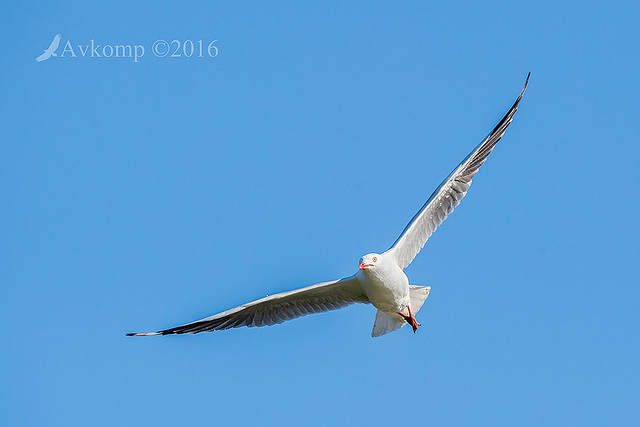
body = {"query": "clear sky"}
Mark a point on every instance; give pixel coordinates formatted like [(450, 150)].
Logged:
[(142, 195)]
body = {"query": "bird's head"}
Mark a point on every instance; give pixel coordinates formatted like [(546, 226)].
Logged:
[(370, 261)]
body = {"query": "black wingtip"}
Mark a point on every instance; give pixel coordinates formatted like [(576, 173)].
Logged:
[(526, 82), (145, 334), (515, 104)]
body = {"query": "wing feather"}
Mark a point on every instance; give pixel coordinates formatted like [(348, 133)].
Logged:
[(278, 308), (448, 194)]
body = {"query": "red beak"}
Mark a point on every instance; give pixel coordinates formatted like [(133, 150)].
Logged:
[(364, 266)]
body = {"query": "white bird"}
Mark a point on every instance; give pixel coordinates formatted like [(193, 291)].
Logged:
[(51, 50), (380, 280)]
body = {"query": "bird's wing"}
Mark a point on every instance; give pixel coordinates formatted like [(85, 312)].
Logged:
[(54, 43), (278, 308), (43, 57), (448, 195)]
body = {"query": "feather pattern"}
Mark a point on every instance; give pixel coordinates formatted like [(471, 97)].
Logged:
[(278, 308), (448, 195)]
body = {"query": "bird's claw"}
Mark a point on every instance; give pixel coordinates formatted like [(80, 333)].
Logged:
[(411, 320)]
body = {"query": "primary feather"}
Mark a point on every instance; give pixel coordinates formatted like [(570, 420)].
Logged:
[(448, 194)]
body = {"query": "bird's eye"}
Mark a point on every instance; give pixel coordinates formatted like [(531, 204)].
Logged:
[(374, 259)]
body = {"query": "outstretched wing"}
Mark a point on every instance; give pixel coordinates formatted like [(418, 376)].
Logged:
[(43, 57), (54, 43), (448, 195), (278, 308)]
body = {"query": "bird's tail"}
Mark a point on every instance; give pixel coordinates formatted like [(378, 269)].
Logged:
[(418, 295), (386, 322)]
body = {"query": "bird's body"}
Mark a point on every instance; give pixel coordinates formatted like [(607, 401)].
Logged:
[(380, 280), (387, 287)]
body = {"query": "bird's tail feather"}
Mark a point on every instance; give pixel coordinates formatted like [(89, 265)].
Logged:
[(386, 323), (418, 295)]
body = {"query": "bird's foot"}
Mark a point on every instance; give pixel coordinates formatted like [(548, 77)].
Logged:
[(411, 320)]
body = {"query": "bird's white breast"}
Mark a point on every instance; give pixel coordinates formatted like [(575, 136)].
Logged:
[(386, 288)]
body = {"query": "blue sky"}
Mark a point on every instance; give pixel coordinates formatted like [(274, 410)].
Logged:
[(143, 195)]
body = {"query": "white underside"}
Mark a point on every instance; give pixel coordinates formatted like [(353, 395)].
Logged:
[(386, 286), (388, 322)]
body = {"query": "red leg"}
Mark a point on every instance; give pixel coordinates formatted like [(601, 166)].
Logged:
[(411, 319)]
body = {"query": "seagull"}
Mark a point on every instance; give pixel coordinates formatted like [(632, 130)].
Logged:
[(380, 279), (51, 50)]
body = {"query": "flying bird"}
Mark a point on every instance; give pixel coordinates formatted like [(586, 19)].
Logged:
[(51, 50), (380, 279)]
